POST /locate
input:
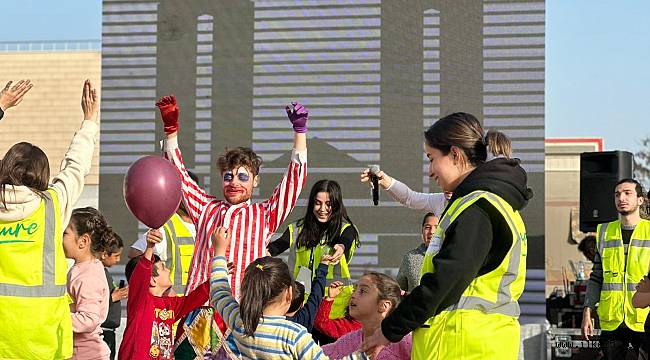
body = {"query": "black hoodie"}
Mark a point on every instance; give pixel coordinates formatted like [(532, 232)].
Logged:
[(475, 244)]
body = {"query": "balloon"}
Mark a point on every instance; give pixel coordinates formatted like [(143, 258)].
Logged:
[(152, 190)]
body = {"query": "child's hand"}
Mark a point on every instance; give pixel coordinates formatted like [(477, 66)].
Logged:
[(384, 179), (169, 112), (335, 289), (120, 294), (644, 285), (154, 236), (298, 116), (221, 240)]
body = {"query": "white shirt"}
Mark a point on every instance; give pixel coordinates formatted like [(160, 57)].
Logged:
[(434, 202), (160, 249)]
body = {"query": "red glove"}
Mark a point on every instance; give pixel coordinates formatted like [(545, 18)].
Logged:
[(169, 112)]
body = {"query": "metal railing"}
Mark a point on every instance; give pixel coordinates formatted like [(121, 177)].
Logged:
[(50, 45)]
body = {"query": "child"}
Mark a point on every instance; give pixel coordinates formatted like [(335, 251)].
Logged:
[(34, 269), (374, 297), (150, 311), (260, 328), (84, 240), (333, 328), (111, 257), (253, 224), (302, 312)]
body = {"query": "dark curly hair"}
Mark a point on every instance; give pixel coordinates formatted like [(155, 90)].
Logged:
[(90, 221), (240, 156)]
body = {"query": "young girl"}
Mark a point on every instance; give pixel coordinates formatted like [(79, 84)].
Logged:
[(333, 328), (34, 309), (86, 238), (500, 147), (260, 327), (375, 296), (325, 232)]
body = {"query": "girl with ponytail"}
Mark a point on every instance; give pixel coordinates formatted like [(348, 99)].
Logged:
[(85, 240), (375, 296), (259, 324)]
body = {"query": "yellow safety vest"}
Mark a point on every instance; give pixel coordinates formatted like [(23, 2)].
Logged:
[(483, 324), (180, 248), (34, 312), (621, 274), (310, 258)]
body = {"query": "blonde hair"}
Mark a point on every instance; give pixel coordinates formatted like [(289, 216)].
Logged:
[(498, 144)]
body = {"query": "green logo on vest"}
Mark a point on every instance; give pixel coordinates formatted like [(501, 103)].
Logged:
[(15, 231)]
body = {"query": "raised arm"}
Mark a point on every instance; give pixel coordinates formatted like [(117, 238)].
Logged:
[(69, 182), (11, 96), (194, 197), (220, 293), (286, 194), (400, 192)]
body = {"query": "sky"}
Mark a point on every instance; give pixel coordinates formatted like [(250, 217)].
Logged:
[(598, 71), (597, 60)]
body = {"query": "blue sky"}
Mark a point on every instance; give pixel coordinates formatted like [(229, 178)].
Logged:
[(597, 60), (598, 71)]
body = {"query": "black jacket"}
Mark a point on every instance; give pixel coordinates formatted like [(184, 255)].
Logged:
[(475, 244)]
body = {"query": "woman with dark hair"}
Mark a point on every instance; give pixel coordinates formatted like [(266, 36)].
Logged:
[(474, 269), (36, 321), (324, 233)]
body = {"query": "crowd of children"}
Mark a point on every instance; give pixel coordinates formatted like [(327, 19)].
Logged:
[(264, 307)]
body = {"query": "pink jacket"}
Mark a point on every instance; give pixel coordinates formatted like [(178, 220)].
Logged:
[(88, 289), (351, 342)]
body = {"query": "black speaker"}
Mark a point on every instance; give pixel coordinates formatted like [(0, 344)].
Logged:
[(599, 173)]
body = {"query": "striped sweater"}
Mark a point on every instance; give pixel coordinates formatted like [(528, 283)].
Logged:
[(251, 224), (275, 336)]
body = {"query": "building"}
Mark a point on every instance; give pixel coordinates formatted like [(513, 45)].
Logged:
[(51, 112), (562, 203)]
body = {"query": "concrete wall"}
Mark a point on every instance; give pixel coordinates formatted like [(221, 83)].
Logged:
[(51, 112)]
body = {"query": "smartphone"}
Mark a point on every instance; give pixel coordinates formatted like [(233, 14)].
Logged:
[(122, 283)]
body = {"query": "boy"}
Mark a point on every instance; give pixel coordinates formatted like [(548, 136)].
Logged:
[(110, 258), (150, 311), (252, 224)]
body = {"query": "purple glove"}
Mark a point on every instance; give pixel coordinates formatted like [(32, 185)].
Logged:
[(298, 116)]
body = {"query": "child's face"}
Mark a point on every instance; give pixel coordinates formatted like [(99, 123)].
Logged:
[(238, 184), (74, 245), (364, 302), (162, 280), (112, 259)]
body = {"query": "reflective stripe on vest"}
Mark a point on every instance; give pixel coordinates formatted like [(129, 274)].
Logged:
[(174, 258), (48, 287), (621, 274), (505, 303)]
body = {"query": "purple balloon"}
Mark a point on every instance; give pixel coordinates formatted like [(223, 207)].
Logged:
[(152, 190)]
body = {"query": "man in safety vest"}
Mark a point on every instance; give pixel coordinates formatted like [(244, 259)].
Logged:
[(621, 261), (177, 247)]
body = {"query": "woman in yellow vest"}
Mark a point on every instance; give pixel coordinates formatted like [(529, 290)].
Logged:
[(474, 269), (34, 311), (324, 231)]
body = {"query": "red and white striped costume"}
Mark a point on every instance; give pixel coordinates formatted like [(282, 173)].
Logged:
[(251, 224)]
